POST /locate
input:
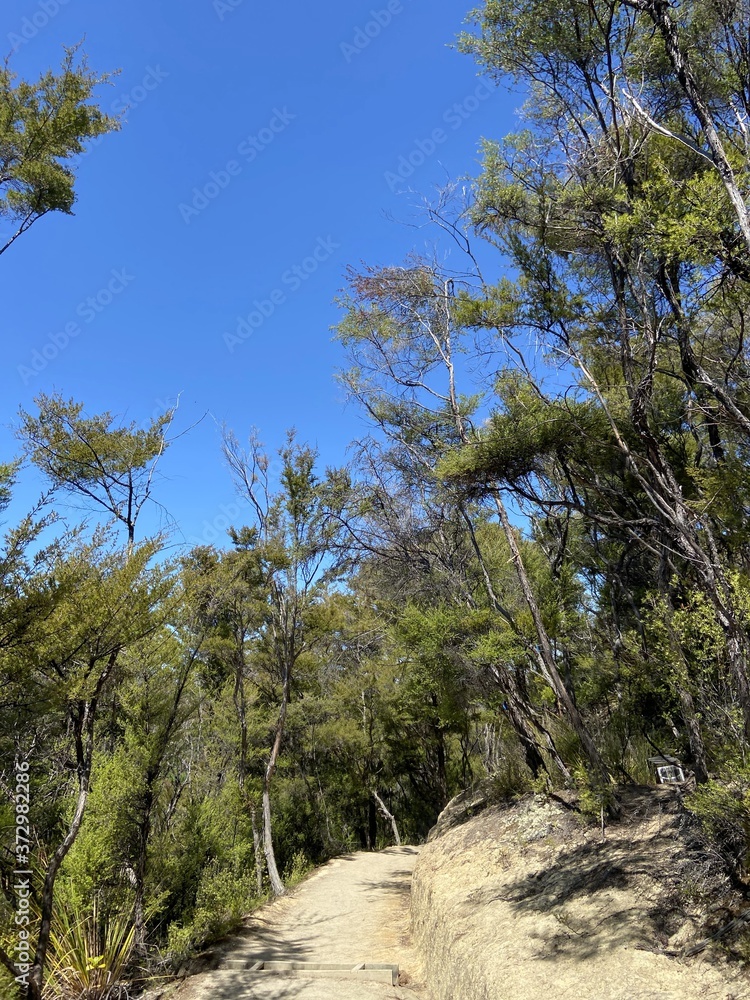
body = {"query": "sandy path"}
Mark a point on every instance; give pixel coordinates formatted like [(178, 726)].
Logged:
[(355, 909)]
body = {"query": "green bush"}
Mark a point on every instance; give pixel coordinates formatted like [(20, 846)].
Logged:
[(723, 810), (224, 896), (297, 869), (88, 954)]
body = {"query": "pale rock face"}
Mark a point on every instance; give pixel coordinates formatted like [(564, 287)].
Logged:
[(527, 902)]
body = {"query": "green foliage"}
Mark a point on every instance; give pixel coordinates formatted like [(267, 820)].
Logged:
[(594, 798), (93, 458), (43, 126), (90, 954), (389, 632), (224, 896), (723, 809), (521, 439), (297, 870)]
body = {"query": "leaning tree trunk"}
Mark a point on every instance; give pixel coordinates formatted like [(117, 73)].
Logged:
[(546, 659), (277, 886), (389, 816), (544, 654)]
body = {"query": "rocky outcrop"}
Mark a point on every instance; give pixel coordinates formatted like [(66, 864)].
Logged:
[(526, 901), (465, 805)]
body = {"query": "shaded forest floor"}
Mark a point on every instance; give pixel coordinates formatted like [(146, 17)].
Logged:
[(526, 901)]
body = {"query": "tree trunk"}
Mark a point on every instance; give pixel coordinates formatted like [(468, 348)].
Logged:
[(139, 916), (83, 728), (257, 849), (441, 762), (517, 701), (372, 826), (659, 12), (277, 886), (543, 651), (389, 816), (547, 664), (695, 737)]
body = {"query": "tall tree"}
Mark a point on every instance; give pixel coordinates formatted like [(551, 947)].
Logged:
[(404, 332), (294, 533), (106, 465), (79, 605), (97, 602), (627, 230)]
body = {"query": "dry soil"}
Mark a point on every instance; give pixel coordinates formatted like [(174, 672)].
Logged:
[(526, 902), (354, 909)]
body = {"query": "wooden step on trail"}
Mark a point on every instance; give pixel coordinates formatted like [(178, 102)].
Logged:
[(379, 972)]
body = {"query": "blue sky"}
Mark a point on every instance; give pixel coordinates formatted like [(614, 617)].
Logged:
[(260, 156)]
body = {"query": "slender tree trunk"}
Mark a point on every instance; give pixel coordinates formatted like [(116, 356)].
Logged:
[(544, 652), (277, 886), (546, 659), (534, 759), (517, 702), (240, 704), (695, 738), (36, 975), (83, 727), (144, 823), (441, 763), (144, 834), (257, 849), (659, 12), (372, 826), (389, 816)]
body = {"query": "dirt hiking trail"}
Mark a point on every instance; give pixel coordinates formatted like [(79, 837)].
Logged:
[(353, 910)]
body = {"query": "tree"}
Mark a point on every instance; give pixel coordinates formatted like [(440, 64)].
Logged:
[(97, 602), (93, 459), (43, 126), (231, 608), (710, 56), (622, 209), (74, 610), (403, 329), (294, 532)]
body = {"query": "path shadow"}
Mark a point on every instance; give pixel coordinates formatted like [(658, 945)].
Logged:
[(235, 985), (399, 883), (262, 941)]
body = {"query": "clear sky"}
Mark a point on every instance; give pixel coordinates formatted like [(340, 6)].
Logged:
[(260, 156)]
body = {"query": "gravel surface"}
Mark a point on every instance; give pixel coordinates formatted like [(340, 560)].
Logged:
[(355, 909)]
